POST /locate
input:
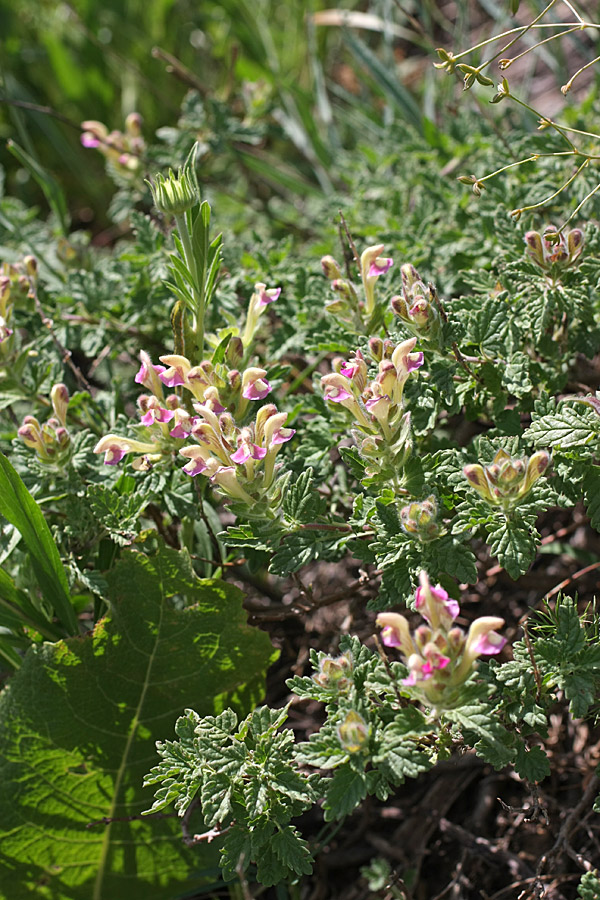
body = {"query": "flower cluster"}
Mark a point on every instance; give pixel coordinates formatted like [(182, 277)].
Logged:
[(50, 440), (347, 305), (14, 281), (440, 657), (506, 481), (121, 149), (227, 454), (554, 250), (416, 307), (239, 461), (377, 404)]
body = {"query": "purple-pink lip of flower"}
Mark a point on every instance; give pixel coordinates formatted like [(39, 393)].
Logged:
[(214, 406), (157, 414), (172, 380), (194, 467), (370, 404), (89, 140), (438, 593), (248, 451), (114, 455), (430, 667), (143, 373), (390, 636), (268, 296), (349, 369), (337, 395), (489, 644), (180, 432), (254, 390), (380, 265), (414, 361), (283, 435)]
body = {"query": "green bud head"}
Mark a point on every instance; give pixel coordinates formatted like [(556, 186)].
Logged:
[(175, 194)]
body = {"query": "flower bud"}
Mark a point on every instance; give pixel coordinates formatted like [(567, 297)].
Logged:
[(235, 351), (133, 124), (353, 732), (335, 673), (59, 397), (174, 194), (376, 348), (420, 519), (330, 267)]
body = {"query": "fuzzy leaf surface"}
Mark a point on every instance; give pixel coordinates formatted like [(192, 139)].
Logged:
[(79, 722)]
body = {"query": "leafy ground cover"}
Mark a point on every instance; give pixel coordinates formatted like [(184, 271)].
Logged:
[(299, 484)]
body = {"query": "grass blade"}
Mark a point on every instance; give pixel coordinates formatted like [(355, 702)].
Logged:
[(18, 506)]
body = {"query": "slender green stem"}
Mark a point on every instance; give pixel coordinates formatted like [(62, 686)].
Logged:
[(520, 30), (515, 39), (567, 87), (549, 121), (197, 289), (591, 134), (557, 192), (552, 37), (521, 162), (577, 208)]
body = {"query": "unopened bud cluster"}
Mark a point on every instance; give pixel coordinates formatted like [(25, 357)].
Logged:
[(335, 673), (174, 194), (416, 307), (420, 519), (382, 426), (347, 306), (121, 149), (554, 250), (50, 440), (507, 481), (439, 655), (15, 282)]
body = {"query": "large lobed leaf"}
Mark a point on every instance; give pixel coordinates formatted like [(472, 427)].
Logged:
[(78, 724)]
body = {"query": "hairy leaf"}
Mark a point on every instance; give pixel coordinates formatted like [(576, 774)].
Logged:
[(80, 718)]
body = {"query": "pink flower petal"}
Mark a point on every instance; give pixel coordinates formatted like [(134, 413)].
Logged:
[(142, 374), (414, 361), (194, 467), (390, 637), (114, 455), (257, 390), (268, 296), (157, 414), (490, 644), (349, 369), (89, 140), (171, 380), (337, 395), (380, 265), (283, 435), (241, 455)]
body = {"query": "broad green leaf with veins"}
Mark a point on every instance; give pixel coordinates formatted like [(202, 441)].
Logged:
[(78, 724)]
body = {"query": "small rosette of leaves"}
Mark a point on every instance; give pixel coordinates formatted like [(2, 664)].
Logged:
[(240, 774)]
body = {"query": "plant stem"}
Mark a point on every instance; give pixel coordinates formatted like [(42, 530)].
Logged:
[(197, 289)]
